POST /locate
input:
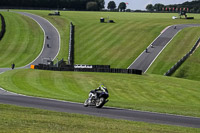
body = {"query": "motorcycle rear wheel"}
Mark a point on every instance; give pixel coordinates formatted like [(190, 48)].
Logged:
[(100, 102)]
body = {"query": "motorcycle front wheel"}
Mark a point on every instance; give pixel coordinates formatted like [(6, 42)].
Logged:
[(85, 103), (100, 102)]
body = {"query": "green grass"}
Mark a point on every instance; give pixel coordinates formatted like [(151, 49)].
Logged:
[(22, 41), (176, 49), (148, 92), (23, 120), (116, 44), (131, 34), (190, 68), (61, 23)]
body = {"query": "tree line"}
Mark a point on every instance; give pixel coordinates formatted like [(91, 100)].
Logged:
[(193, 6), (56, 4), (112, 6)]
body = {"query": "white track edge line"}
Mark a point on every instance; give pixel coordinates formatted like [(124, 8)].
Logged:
[(161, 51), (44, 37), (56, 30), (104, 106), (43, 41), (166, 46), (150, 45), (81, 103)]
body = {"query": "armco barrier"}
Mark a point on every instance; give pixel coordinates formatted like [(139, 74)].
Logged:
[(3, 26), (180, 62)]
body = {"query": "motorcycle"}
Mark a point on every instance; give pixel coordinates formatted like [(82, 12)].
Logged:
[(97, 98)]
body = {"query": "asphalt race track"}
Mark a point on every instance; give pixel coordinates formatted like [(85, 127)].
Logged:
[(53, 41), (146, 58), (62, 106)]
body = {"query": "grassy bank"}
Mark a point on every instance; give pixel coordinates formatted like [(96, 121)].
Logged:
[(190, 68), (62, 24), (147, 92), (22, 41), (20, 120), (116, 44), (176, 49)]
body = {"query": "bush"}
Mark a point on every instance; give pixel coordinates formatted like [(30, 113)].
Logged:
[(92, 6)]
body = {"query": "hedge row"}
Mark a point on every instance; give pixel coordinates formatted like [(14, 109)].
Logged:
[(3, 26)]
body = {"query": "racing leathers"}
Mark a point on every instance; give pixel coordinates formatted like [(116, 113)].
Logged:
[(94, 93)]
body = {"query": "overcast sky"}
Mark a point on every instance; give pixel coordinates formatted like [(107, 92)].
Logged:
[(141, 4)]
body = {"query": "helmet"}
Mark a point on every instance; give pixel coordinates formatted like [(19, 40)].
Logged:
[(102, 85)]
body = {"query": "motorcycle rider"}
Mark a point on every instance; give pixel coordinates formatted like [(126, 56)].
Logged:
[(94, 93), (102, 88)]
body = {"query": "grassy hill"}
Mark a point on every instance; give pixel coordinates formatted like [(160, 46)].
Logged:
[(120, 43), (176, 49), (116, 44), (148, 92), (190, 68), (23, 120), (62, 24), (22, 41)]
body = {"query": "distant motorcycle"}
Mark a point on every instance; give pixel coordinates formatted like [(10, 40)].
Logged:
[(97, 98)]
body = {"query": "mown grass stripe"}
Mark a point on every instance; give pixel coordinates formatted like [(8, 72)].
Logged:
[(23, 39), (103, 48), (21, 119), (91, 45), (178, 47), (17, 45), (190, 68), (147, 92), (146, 25), (13, 36)]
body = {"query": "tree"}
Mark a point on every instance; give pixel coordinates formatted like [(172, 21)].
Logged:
[(111, 5), (122, 6), (158, 7), (128, 10), (149, 7), (92, 6), (100, 3), (53, 4)]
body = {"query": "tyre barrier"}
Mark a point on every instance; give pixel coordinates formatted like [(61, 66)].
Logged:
[(94, 68), (180, 62), (60, 63), (3, 26)]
